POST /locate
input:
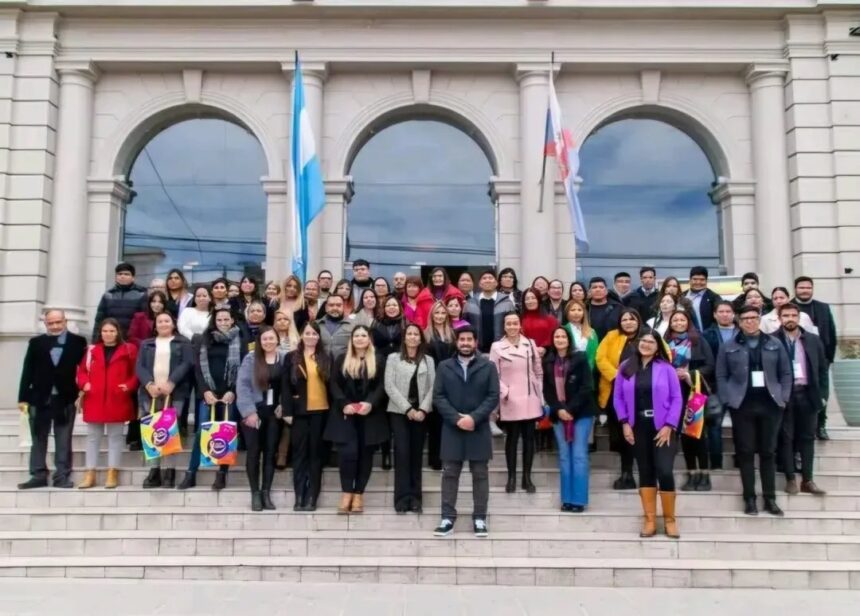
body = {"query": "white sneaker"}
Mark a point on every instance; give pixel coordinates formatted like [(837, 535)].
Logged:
[(445, 528), (480, 528)]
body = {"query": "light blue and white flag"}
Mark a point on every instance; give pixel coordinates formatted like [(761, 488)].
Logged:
[(307, 192)]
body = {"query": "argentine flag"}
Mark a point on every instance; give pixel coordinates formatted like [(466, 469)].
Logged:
[(307, 193)]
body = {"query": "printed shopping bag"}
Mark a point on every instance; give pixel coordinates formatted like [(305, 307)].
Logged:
[(219, 440), (694, 414), (159, 432), (25, 436)]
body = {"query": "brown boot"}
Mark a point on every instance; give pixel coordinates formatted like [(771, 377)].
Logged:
[(89, 480), (649, 507), (357, 503), (345, 503), (112, 480), (668, 501)]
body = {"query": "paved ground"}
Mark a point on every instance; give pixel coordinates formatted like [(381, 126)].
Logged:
[(186, 598)]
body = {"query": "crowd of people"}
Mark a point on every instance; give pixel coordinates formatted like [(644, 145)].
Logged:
[(366, 365)]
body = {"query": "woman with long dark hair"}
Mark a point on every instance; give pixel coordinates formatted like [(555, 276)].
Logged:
[(367, 310), (417, 302), (666, 306), (220, 294), (439, 285), (383, 291), (358, 421), (647, 402), (541, 285), (770, 323), (344, 289), (258, 394), (568, 386), (577, 291), (388, 330), (143, 322), (456, 306), (509, 284), (178, 296), (618, 344), (195, 320), (249, 291), (409, 377), (537, 325), (306, 399), (691, 355)]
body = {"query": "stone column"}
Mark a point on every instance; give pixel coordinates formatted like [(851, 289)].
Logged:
[(538, 234), (506, 196), (338, 194), (67, 258), (278, 229), (770, 163), (107, 198), (736, 206), (314, 75)]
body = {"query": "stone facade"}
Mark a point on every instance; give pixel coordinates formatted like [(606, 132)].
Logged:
[(771, 93)]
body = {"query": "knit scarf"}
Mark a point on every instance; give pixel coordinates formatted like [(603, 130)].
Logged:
[(681, 350), (559, 373), (234, 359)]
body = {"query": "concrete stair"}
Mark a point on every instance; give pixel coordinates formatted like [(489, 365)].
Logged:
[(201, 534)]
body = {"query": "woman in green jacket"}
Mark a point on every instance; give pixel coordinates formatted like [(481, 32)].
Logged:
[(583, 336)]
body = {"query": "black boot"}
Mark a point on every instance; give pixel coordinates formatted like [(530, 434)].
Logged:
[(168, 478), (690, 484), (220, 479), (386, 460), (627, 481), (153, 479), (705, 484), (266, 497), (256, 501), (511, 486), (189, 481), (528, 486)]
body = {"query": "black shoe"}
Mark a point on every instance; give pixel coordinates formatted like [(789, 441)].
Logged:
[(436, 466), (822, 434), (480, 528), (528, 486), (266, 497), (716, 463), (445, 528), (704, 484), (386, 461), (65, 484), (402, 506), (220, 480), (312, 504), (33, 482), (153, 479), (566, 507), (297, 506), (168, 478), (750, 506), (416, 507), (256, 501), (690, 484), (511, 486), (627, 481), (577, 508), (771, 507), (135, 446), (189, 481)]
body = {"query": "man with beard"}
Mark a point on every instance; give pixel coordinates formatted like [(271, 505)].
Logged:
[(808, 396), (325, 280), (335, 331), (399, 281), (466, 391)]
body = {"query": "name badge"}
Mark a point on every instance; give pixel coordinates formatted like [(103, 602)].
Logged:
[(270, 397), (757, 378), (798, 369)]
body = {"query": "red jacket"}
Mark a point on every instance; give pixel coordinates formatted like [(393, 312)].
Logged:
[(419, 315), (140, 328), (105, 402), (539, 327)]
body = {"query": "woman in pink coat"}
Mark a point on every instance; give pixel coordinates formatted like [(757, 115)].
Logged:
[(521, 401)]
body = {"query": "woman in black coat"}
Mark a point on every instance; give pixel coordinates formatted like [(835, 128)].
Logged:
[(358, 420), (387, 331)]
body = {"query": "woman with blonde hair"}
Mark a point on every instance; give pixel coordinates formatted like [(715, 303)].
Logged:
[(584, 336), (291, 297), (358, 421), (288, 340)]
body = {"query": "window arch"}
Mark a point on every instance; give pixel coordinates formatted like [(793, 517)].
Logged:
[(198, 203), (421, 198), (645, 199)]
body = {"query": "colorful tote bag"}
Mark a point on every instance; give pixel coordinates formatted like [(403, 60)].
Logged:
[(159, 431), (694, 414), (219, 440)]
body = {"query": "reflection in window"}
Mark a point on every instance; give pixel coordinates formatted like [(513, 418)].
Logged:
[(199, 204), (421, 198), (645, 201)]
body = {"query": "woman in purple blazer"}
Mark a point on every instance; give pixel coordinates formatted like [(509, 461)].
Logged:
[(647, 398)]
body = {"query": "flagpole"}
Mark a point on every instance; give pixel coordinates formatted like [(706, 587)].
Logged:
[(545, 138)]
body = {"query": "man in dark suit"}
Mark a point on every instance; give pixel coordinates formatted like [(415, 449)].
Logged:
[(703, 299), (47, 394), (644, 299)]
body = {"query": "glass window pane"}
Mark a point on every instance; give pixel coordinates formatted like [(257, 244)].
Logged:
[(199, 204)]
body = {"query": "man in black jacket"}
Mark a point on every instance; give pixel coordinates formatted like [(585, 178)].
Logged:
[(47, 393), (603, 311), (721, 331), (644, 299), (703, 299), (808, 396), (465, 392), (821, 316), (121, 301)]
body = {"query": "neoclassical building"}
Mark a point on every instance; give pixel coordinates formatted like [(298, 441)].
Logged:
[(721, 132)]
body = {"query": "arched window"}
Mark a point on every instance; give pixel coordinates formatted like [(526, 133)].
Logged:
[(198, 203), (645, 201), (421, 198)]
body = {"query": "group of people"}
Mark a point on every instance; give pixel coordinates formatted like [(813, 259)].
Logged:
[(360, 365)]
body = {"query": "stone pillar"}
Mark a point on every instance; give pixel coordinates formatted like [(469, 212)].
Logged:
[(314, 75), (338, 194), (506, 196), (565, 268), (68, 247), (737, 210), (278, 229), (772, 211), (107, 197), (538, 233)]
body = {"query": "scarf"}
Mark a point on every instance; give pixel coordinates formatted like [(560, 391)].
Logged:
[(559, 371), (681, 350), (234, 341)]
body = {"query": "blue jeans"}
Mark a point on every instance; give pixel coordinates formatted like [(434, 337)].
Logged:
[(573, 461), (203, 414)]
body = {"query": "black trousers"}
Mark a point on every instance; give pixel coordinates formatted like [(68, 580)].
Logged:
[(799, 423), (695, 451), (655, 463), (451, 470), (62, 418), (755, 429), (262, 443), (408, 451), (355, 460), (434, 439), (616, 439), (308, 447), (513, 431)]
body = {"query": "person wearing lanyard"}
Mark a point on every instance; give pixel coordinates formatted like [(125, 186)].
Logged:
[(809, 394), (754, 379)]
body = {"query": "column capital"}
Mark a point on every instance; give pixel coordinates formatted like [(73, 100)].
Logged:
[(114, 189), (761, 74), (273, 186), (727, 189), (503, 187), (340, 188), (535, 72), (82, 72), (310, 70)]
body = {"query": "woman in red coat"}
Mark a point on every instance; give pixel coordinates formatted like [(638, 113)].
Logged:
[(537, 325), (107, 380), (417, 302), (143, 322)]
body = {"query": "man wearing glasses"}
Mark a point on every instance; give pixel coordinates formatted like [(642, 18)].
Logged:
[(754, 378), (325, 279)]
